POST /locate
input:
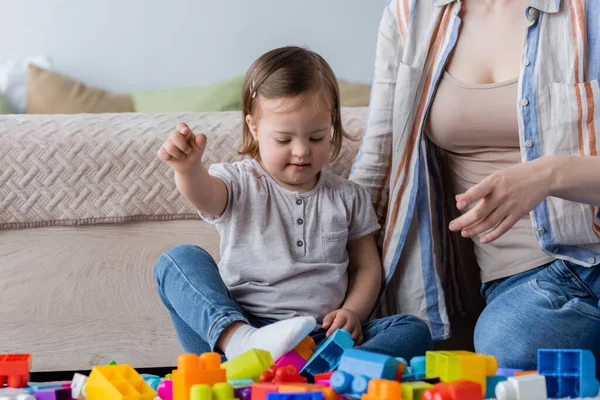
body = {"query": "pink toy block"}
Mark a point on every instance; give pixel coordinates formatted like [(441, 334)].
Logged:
[(165, 389), (292, 358)]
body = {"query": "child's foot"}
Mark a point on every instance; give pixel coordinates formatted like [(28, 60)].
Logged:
[(278, 338)]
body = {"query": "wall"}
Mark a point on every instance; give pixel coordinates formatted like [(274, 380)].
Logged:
[(129, 45)]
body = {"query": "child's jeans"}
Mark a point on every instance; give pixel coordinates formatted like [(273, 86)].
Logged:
[(201, 307), (552, 306)]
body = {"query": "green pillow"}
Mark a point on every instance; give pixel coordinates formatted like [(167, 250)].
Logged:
[(222, 96), (5, 107)]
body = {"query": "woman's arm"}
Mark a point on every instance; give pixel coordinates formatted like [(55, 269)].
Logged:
[(372, 167), (575, 178), (364, 276)]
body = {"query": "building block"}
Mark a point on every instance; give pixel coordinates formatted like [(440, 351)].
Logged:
[(14, 370), (219, 391), (249, 365), (117, 382), (241, 383), (193, 370), (281, 374), (260, 390), (525, 387), (507, 371), (381, 389), (306, 348), (521, 373), (299, 355), (358, 367), (77, 385), (296, 396), (568, 372), (327, 356), (243, 393), (14, 394), (53, 394), (490, 385), (457, 390), (414, 390), (165, 389), (417, 367), (451, 366)]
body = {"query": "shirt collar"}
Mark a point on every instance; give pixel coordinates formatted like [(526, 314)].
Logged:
[(549, 6)]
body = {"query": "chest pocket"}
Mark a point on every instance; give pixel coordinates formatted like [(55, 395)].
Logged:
[(575, 117), (334, 245)]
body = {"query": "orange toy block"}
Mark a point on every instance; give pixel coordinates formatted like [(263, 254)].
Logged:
[(193, 370), (330, 394), (260, 390), (382, 389), (306, 348), (519, 373), (300, 388), (14, 370), (457, 390)]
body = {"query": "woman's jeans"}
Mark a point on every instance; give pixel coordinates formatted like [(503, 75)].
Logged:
[(553, 306), (201, 307)]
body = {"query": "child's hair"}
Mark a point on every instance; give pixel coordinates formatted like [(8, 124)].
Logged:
[(289, 72)]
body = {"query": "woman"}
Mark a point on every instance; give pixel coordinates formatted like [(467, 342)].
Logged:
[(504, 94)]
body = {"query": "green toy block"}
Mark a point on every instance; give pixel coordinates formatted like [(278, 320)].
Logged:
[(414, 390), (250, 364)]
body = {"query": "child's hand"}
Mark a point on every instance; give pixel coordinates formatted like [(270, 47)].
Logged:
[(182, 150), (344, 319)]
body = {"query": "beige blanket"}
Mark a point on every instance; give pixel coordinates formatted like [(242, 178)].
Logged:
[(102, 168)]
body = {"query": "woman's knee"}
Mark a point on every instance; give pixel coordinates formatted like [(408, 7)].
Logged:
[(186, 258)]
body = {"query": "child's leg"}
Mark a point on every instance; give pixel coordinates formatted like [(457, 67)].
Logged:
[(207, 317), (398, 336)]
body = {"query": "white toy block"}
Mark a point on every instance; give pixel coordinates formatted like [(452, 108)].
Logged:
[(14, 394), (78, 386), (525, 387)]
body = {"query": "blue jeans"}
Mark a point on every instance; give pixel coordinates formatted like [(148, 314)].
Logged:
[(201, 307), (552, 306)]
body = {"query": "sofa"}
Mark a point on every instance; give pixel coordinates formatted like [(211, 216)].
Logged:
[(86, 209)]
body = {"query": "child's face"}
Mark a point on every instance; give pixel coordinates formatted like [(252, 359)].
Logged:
[(294, 137)]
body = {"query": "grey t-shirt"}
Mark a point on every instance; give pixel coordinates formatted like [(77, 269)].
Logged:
[(283, 253)]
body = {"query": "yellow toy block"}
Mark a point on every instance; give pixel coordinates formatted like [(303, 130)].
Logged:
[(382, 389), (193, 370), (414, 390), (451, 366), (117, 382), (249, 365)]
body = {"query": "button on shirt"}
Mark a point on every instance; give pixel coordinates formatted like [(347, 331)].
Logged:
[(283, 253)]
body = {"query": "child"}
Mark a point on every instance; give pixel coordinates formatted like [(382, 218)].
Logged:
[(297, 243)]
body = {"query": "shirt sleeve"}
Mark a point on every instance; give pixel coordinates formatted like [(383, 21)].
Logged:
[(363, 217), (233, 176)]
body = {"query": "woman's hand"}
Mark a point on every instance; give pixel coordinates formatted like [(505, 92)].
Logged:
[(503, 199)]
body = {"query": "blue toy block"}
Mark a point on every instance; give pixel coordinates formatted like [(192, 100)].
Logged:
[(417, 367), (568, 372), (296, 396), (507, 371), (241, 383), (490, 385), (327, 357), (358, 367)]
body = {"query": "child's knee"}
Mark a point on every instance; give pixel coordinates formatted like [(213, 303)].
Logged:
[(182, 257)]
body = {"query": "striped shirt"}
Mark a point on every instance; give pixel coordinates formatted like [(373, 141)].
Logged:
[(558, 109)]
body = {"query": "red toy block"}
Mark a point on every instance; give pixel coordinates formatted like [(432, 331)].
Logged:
[(260, 390), (280, 374), (456, 390), (14, 370)]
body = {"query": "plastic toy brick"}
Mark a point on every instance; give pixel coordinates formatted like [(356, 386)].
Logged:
[(53, 394), (14, 394), (248, 365), (243, 393), (457, 390), (300, 388), (414, 390), (507, 371), (165, 389), (490, 385), (306, 348), (327, 356), (77, 386), (193, 370), (291, 358), (296, 396), (417, 367), (525, 387), (260, 390), (451, 366), (521, 373), (358, 367), (241, 383), (381, 389), (117, 382), (219, 391), (14, 370), (281, 374), (568, 372)]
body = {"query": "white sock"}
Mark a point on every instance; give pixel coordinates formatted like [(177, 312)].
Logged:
[(278, 338)]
